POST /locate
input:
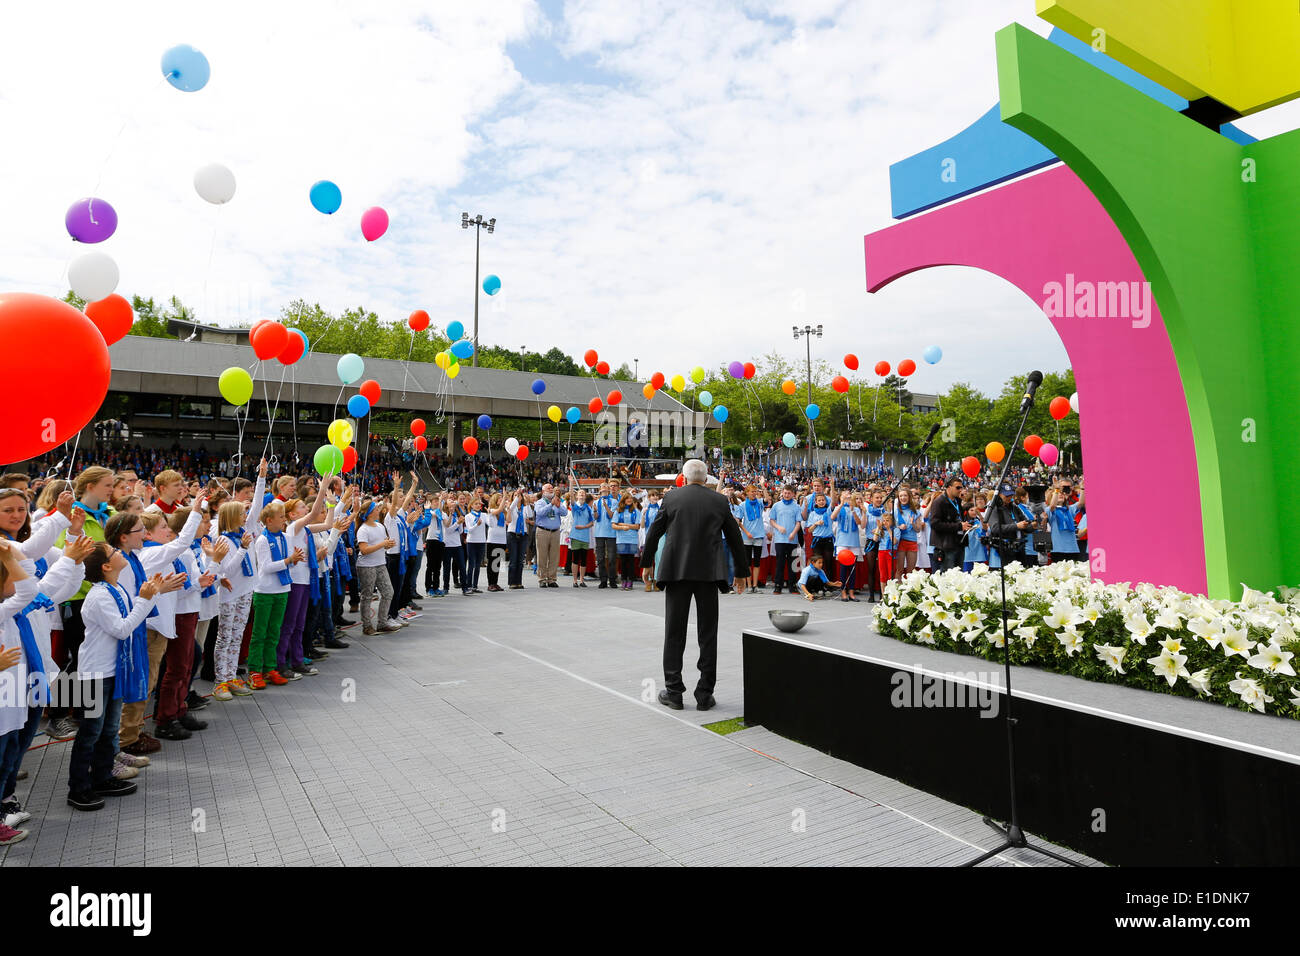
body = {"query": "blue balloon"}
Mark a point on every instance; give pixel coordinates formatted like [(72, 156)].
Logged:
[(572, 415), (538, 387), (326, 197), (350, 368), (463, 349), (721, 413), (186, 68), (358, 406), (932, 354), (306, 346), (812, 411), (491, 285), (485, 422), (789, 440), (455, 331), (706, 399)]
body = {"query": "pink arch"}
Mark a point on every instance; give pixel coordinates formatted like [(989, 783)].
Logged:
[(1134, 423)]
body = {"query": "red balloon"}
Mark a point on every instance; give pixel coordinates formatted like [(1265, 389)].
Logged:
[(840, 383), (421, 443), (602, 367), (657, 380), (50, 400), (293, 351), (750, 370), (269, 340), (522, 453), (614, 397), (1059, 407), (470, 444), (257, 325), (349, 459), (882, 369), (370, 389), (851, 362), (681, 481), (595, 405), (590, 358), (1032, 444), (112, 316), (971, 466), (846, 557), (906, 367), (419, 320), (417, 426)]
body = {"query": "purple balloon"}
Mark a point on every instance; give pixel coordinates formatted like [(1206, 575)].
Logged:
[(90, 220), (736, 369)]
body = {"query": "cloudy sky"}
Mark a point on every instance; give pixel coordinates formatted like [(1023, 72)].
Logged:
[(676, 183)]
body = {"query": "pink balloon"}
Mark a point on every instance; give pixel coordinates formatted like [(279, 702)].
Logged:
[(1048, 454), (374, 223)]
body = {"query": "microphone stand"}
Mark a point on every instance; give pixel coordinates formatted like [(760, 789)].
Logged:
[(1014, 836)]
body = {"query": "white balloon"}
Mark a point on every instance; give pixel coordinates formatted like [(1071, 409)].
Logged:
[(215, 183), (512, 445), (93, 276), (1074, 402)]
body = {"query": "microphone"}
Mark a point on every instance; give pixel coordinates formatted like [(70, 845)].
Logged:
[(1035, 380)]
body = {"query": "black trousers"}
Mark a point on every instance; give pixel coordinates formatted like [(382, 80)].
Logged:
[(395, 578), (945, 559), (607, 560), (677, 610), (496, 562), (516, 545), (432, 565), (782, 573)]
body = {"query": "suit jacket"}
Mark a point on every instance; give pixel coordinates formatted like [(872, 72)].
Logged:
[(945, 523), (694, 519)]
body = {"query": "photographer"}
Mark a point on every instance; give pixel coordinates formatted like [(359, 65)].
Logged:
[(1008, 526)]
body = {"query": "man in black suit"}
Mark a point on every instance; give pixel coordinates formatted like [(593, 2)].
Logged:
[(692, 524), (948, 526)]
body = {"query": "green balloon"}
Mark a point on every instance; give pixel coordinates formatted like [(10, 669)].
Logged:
[(328, 460), (236, 386)]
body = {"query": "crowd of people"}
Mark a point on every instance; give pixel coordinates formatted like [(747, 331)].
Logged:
[(120, 590)]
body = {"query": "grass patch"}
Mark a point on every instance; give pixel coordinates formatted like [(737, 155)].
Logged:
[(724, 727)]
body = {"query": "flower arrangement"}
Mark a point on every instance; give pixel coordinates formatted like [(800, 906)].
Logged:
[(1238, 653)]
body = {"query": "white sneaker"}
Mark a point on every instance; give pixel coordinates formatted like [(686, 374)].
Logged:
[(122, 772), (14, 814), (398, 622)]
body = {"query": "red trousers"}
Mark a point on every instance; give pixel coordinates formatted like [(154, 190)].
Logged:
[(178, 662)]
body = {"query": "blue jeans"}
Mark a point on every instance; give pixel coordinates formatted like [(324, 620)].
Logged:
[(96, 744), (10, 761)]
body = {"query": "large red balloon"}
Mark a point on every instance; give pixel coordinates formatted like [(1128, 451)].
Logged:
[(591, 358), (614, 397), (420, 443), (602, 367), (750, 370), (846, 557), (1032, 444), (55, 367), (882, 369), (906, 367), (971, 466), (269, 340), (349, 459), (1059, 407), (370, 389), (851, 362), (292, 350), (681, 481), (840, 383), (112, 316), (657, 380), (470, 444), (419, 320), (417, 426), (522, 453), (595, 405)]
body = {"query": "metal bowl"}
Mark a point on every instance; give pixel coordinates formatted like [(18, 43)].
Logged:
[(788, 621)]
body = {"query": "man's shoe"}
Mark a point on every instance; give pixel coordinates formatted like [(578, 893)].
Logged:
[(115, 788), (85, 800), (12, 813), (335, 644), (670, 701), (342, 626), (195, 702), (65, 728), (173, 730), (131, 760), (602, 586), (705, 703), (142, 747), (367, 630), (777, 591), (190, 722)]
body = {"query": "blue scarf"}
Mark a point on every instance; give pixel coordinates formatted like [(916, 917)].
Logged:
[(753, 509), (137, 569), (42, 566), (177, 565), (100, 513), (197, 547), (313, 567), (519, 521), (341, 562), (401, 544), (1062, 519), (275, 540), (845, 519), (823, 530), (37, 679), (132, 684), (246, 566)]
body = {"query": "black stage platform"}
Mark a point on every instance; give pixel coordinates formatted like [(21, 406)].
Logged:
[(1125, 776)]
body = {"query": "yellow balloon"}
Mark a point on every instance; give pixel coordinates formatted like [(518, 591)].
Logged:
[(678, 383), (553, 413), (697, 375), (453, 371), (340, 433), (440, 360)]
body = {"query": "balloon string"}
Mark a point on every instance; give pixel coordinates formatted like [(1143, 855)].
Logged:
[(293, 407), (72, 460), (270, 412)]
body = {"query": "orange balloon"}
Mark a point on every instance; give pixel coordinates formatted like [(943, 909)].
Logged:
[(112, 316), (595, 405), (349, 459), (648, 391), (995, 451), (906, 367), (657, 380), (789, 387), (840, 383), (421, 443), (370, 389)]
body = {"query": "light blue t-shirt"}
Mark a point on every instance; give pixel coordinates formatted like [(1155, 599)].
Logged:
[(581, 515)]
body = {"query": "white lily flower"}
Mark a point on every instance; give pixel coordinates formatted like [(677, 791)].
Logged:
[(1273, 659), (1092, 612), (1235, 641), (948, 595), (906, 622), (1169, 619), (971, 617), (925, 635), (1027, 634), (1138, 628), (1024, 613), (971, 636), (885, 613), (941, 615), (1250, 691), (1170, 666), (1071, 640), (1114, 656), (1200, 681), (1173, 645)]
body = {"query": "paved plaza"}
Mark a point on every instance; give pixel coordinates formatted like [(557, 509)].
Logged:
[(501, 729)]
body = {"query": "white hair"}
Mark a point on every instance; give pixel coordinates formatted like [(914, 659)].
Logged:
[(695, 471)]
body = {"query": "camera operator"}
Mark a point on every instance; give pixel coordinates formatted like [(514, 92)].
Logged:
[(1008, 525)]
